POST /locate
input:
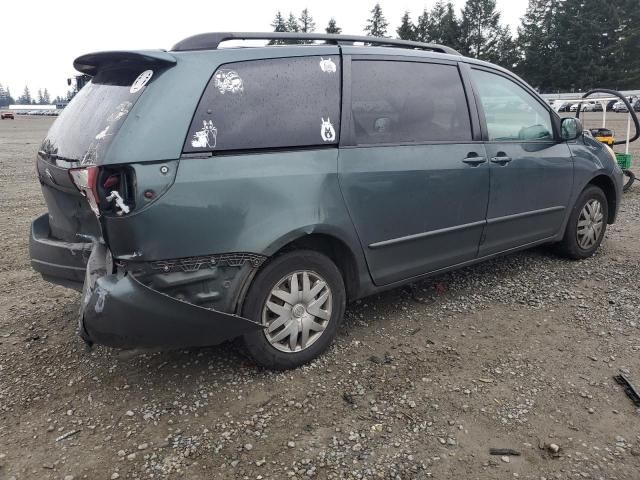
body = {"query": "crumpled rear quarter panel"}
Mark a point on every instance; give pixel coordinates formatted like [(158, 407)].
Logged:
[(237, 203)]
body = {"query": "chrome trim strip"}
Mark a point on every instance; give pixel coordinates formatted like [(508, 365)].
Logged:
[(506, 218), (417, 236)]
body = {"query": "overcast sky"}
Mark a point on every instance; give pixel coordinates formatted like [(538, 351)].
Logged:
[(40, 38)]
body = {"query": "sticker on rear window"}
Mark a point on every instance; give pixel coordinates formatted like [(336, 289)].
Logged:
[(121, 111), (141, 81), (327, 131), (327, 65), (206, 137), (228, 81), (103, 133)]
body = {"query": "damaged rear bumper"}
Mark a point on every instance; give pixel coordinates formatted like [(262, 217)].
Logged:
[(57, 261), (118, 310)]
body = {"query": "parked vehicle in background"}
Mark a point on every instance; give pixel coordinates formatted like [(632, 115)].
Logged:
[(604, 135), (574, 107), (636, 106), (564, 107), (7, 116), (620, 107), (597, 107), (263, 220), (588, 107)]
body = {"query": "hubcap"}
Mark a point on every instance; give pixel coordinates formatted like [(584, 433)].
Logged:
[(297, 311), (590, 224)]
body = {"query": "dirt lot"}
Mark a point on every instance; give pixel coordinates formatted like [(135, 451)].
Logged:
[(518, 352)]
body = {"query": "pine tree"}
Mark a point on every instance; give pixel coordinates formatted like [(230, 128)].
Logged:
[(40, 100), (481, 30), (292, 27), (506, 54), (537, 43), (46, 98), (422, 27), (406, 30), (377, 24), (443, 26), (629, 45), (25, 98), (307, 25), (589, 45), (4, 97), (278, 25), (332, 27), (292, 24)]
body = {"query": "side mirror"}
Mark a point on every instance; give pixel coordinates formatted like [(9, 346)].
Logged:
[(571, 128)]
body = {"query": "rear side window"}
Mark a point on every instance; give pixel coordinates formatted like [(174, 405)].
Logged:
[(511, 113), (407, 102), (273, 103)]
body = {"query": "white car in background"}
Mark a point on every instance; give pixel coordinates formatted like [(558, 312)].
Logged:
[(619, 107)]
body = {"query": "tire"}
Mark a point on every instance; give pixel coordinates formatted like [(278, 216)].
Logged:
[(576, 246), (287, 312)]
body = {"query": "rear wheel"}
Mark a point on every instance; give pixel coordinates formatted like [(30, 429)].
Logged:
[(299, 298), (587, 224)]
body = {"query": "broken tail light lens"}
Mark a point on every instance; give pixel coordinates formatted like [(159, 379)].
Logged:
[(86, 181)]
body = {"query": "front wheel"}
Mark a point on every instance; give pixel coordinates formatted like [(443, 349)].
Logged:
[(299, 298), (587, 224)]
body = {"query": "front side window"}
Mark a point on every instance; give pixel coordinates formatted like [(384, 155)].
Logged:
[(511, 113), (273, 103), (407, 102)]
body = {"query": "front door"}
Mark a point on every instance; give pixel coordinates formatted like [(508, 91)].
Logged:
[(531, 171), (415, 184)]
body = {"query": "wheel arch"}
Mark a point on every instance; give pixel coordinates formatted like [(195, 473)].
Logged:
[(333, 243), (605, 183)]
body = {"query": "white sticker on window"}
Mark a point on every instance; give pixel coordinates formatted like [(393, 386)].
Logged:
[(205, 137), (228, 81), (327, 65), (103, 133), (121, 111), (141, 81), (327, 131)]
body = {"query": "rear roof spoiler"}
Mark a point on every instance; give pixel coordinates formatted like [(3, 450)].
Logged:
[(90, 63)]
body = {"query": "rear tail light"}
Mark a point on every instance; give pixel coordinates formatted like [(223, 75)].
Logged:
[(86, 180), (106, 189)]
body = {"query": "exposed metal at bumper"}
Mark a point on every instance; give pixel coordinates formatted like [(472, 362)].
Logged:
[(57, 261), (120, 311)]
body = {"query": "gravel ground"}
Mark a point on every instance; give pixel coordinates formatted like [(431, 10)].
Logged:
[(515, 353)]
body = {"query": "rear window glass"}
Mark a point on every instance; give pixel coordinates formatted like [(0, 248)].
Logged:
[(88, 124), (283, 102), (407, 102)]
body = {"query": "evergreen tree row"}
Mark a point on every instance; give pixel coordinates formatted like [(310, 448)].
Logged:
[(561, 45), (42, 97)]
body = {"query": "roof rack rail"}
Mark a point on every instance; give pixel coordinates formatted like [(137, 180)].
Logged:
[(211, 41)]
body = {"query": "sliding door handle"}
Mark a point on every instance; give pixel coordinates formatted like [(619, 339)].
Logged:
[(474, 161), (501, 159)]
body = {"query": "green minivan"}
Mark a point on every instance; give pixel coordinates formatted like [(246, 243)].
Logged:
[(202, 194)]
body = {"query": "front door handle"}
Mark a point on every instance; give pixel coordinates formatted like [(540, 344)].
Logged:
[(474, 160), (501, 159)]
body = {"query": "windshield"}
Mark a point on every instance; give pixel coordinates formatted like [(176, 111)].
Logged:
[(88, 124)]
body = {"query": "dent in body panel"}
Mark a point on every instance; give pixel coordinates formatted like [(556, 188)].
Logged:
[(237, 203)]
